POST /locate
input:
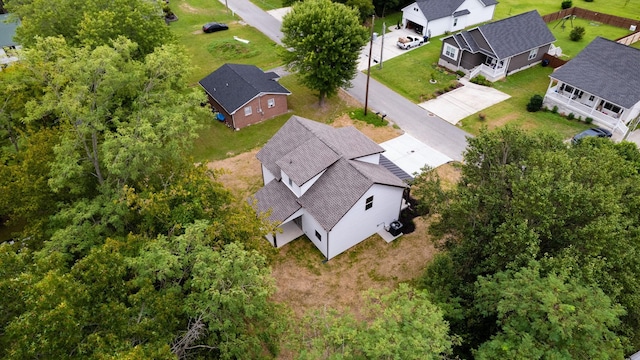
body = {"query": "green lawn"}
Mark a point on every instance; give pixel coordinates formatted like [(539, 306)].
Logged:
[(410, 74), (210, 51), (592, 30), (267, 5), (521, 86), (217, 141), (625, 8)]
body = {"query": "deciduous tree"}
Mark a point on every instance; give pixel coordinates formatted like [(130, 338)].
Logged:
[(324, 41), (92, 23)]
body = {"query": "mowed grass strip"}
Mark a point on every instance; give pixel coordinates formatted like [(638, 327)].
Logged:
[(522, 86), (592, 30)]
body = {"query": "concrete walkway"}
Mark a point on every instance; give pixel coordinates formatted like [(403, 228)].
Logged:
[(464, 101)]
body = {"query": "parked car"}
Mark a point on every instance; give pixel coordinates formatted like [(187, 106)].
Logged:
[(593, 132), (408, 42), (213, 27)]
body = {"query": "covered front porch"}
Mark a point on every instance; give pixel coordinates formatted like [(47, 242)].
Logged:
[(583, 104), (492, 69)]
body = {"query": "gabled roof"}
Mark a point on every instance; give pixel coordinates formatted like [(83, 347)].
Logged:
[(517, 34), (233, 85), (507, 37), (309, 147), (324, 143), (436, 9), (277, 198), (7, 30), (606, 69)]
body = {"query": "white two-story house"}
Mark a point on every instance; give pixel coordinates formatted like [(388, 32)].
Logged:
[(326, 183)]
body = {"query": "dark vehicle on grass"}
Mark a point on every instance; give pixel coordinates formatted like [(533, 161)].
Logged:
[(593, 132), (213, 27)]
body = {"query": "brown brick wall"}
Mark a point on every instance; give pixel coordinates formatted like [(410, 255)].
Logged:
[(257, 104)]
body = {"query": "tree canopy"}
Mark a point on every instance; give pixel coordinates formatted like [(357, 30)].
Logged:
[(525, 197), (92, 23), (324, 40)]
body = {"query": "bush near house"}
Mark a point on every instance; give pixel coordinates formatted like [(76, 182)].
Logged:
[(535, 103), (566, 4)]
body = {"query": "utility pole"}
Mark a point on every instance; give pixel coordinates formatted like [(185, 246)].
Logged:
[(366, 94), (384, 27)]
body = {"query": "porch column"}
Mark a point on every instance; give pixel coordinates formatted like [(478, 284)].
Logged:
[(571, 97)]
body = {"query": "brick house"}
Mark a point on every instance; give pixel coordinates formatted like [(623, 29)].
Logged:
[(243, 94)]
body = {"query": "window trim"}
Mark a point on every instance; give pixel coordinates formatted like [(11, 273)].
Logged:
[(368, 203), (533, 54), (271, 103), (248, 111), (318, 236), (453, 55)]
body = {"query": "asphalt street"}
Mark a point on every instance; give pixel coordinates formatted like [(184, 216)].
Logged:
[(413, 119)]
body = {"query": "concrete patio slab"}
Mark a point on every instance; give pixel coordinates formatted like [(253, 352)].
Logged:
[(411, 155), (464, 101)]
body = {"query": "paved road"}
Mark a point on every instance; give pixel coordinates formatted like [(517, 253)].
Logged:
[(413, 119)]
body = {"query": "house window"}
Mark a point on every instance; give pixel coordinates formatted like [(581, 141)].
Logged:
[(369, 204), (455, 21), (248, 111), (614, 108), (592, 97), (450, 51), (533, 53), (290, 182), (271, 103), (318, 236)]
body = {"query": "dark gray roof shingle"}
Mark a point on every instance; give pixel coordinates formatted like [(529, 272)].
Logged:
[(437, 9), (517, 34), (606, 69), (233, 85), (297, 165), (277, 197)]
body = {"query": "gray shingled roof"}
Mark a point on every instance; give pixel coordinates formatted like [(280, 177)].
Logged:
[(517, 34), (306, 146), (489, 2), (277, 197), (606, 69), (7, 31), (233, 85), (437, 9), (395, 169), (296, 163)]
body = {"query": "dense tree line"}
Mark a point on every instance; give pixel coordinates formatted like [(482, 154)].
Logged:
[(540, 244)]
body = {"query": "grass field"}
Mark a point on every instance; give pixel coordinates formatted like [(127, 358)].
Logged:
[(521, 86), (210, 51), (624, 8), (592, 30)]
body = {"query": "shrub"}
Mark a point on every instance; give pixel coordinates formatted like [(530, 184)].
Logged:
[(535, 103), (481, 80), (461, 73), (577, 33), (588, 120), (588, 0), (482, 116), (566, 4), (571, 116), (555, 109)]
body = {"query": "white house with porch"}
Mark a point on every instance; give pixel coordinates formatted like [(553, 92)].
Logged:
[(436, 17), (328, 184), (602, 83)]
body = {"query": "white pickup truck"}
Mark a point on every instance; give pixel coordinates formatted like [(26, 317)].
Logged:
[(408, 42)]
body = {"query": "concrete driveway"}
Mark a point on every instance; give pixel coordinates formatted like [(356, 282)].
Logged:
[(464, 101), (411, 155)]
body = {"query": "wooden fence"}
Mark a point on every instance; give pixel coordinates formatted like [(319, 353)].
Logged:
[(612, 20), (554, 62)]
